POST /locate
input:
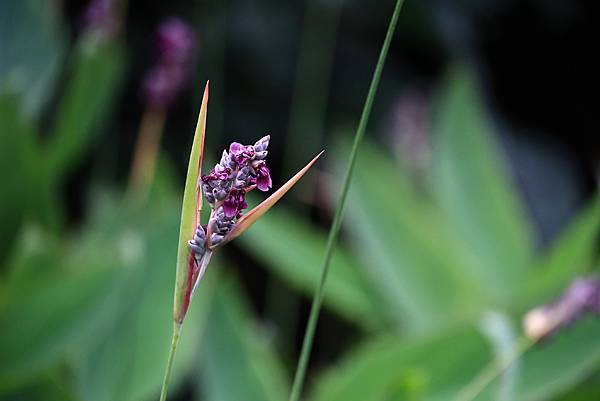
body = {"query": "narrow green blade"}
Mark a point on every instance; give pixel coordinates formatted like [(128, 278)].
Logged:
[(190, 215)]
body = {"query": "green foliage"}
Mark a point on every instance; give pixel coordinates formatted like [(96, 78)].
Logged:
[(407, 247), (232, 339), (471, 185), (85, 312), (17, 155), (293, 249), (35, 26), (427, 368)]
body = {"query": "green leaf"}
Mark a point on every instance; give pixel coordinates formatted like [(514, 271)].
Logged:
[(438, 368), (49, 309), (127, 363), (238, 362), (190, 213), (430, 368), (32, 44), (550, 368), (293, 249), (17, 155), (87, 99), (407, 247), (473, 187), (573, 253)]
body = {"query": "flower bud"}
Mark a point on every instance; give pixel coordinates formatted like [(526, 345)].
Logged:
[(262, 144)]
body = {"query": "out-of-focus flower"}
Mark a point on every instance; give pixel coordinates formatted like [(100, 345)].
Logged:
[(409, 127), (101, 18), (175, 46), (174, 41), (580, 298)]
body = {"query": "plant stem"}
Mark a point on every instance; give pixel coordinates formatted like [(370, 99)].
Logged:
[(337, 220), (495, 368), (174, 342), (146, 153)]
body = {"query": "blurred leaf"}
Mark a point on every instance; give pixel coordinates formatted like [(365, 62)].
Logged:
[(474, 188), (238, 363), (407, 247), (49, 387), (127, 363), (45, 314), (588, 390), (86, 102), (441, 366), (17, 150), (293, 249), (552, 367), (431, 368), (32, 48), (573, 253)]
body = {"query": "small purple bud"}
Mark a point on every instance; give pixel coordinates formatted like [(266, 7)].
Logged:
[(196, 248), (198, 243), (262, 144), (236, 148), (207, 192), (260, 155), (220, 193), (216, 239)]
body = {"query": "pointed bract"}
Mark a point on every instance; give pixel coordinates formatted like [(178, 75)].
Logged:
[(190, 217)]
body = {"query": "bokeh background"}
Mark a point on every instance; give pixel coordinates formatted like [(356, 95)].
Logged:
[(473, 201)]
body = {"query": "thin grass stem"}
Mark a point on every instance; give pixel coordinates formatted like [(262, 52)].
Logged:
[(337, 220), (167, 377)]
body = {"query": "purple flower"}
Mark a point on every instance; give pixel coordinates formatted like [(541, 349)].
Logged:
[(175, 44), (175, 41), (234, 203), (225, 187), (263, 178), (162, 84), (241, 154), (100, 16), (580, 298)]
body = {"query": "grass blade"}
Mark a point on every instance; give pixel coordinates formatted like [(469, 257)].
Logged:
[(337, 220)]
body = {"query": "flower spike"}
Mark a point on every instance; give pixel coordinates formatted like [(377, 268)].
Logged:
[(241, 169)]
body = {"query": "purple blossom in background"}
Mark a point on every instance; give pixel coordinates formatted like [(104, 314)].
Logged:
[(101, 16), (175, 47), (238, 172), (409, 128), (174, 41), (580, 298)]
